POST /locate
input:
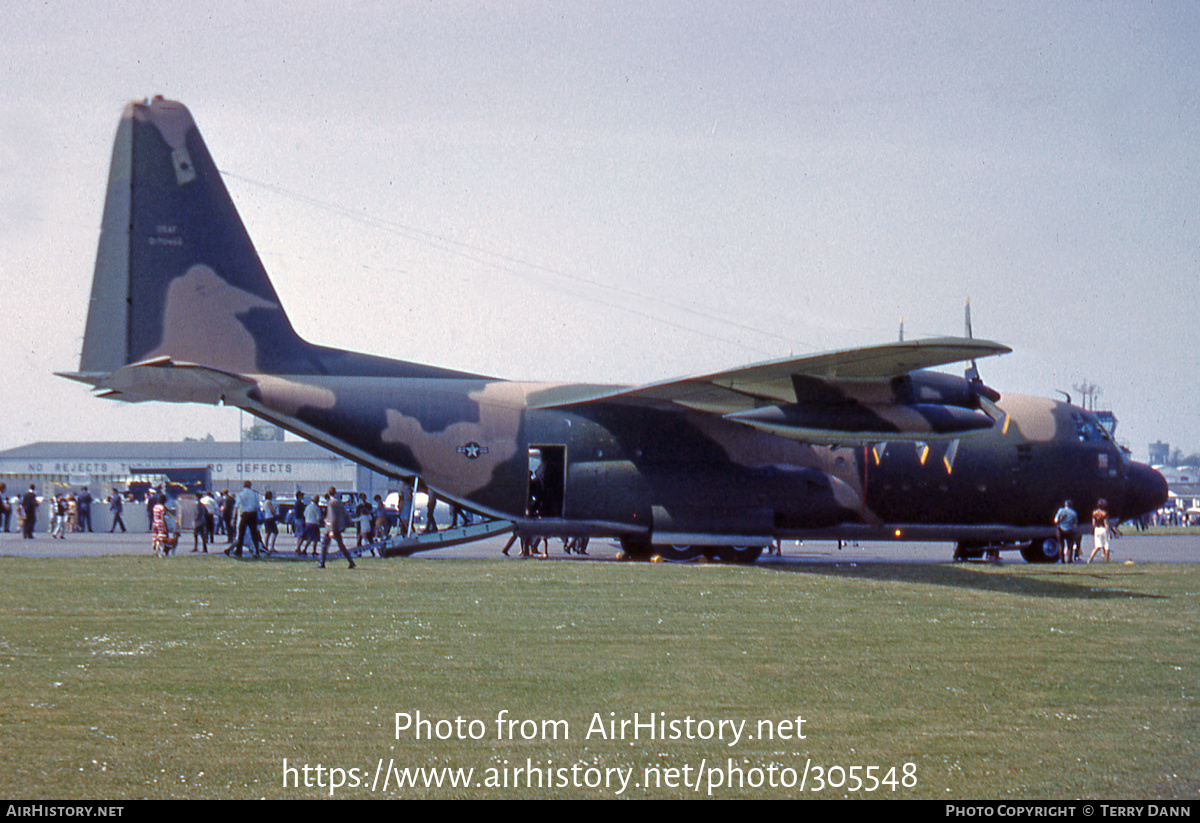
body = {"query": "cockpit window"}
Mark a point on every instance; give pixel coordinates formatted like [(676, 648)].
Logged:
[(1088, 427)]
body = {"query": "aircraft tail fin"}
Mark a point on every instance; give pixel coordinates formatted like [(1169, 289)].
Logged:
[(176, 274), (181, 307)]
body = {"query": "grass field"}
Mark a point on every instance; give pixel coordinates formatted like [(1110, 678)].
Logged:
[(197, 678)]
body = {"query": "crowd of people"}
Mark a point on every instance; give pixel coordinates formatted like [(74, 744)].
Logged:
[(66, 512), (314, 520), (244, 518)]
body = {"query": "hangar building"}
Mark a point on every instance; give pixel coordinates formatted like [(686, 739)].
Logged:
[(279, 466)]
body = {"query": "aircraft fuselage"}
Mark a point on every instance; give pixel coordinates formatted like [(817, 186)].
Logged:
[(669, 475)]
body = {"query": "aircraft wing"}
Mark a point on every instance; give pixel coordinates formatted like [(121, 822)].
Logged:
[(840, 397)]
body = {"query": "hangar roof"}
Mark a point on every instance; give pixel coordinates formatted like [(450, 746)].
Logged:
[(198, 449)]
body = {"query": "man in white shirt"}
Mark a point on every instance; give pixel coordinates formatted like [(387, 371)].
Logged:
[(247, 508)]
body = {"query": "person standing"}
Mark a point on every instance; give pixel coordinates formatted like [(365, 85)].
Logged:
[(228, 506), (1100, 529), (431, 506), (85, 509), (29, 505), (210, 516), (5, 506), (270, 521), (379, 512), (59, 520), (312, 527), (336, 521), (52, 509), (158, 525), (1066, 521), (298, 521), (115, 507), (151, 499), (362, 515), (247, 507), (199, 526)]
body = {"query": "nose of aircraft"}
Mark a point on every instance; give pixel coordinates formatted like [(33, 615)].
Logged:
[(1145, 490)]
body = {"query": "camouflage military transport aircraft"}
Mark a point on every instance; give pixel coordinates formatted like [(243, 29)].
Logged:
[(858, 444)]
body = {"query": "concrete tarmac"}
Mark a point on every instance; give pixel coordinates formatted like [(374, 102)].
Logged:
[(1135, 547)]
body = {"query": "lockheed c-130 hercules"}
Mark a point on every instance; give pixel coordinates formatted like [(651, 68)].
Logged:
[(863, 444)]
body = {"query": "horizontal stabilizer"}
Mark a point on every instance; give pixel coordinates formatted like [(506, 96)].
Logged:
[(165, 379)]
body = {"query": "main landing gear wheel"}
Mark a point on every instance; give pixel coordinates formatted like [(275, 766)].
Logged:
[(636, 549), (968, 551), (678, 554), (734, 554), (1041, 551)]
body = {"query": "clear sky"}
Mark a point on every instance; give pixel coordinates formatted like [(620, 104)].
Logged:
[(625, 192)]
